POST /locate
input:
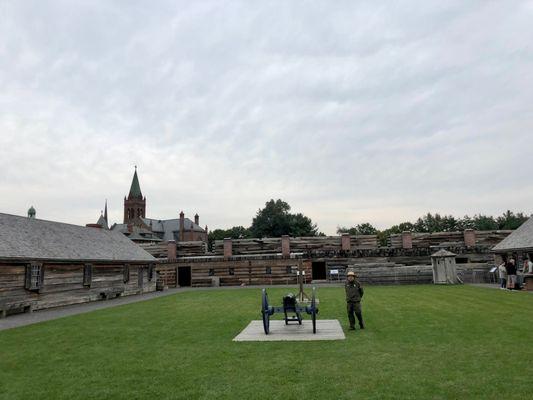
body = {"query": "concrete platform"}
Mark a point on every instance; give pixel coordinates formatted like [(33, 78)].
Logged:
[(326, 329)]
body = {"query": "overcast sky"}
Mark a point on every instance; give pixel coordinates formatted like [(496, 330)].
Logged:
[(351, 111)]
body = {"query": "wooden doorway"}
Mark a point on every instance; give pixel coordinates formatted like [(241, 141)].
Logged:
[(184, 276), (319, 270)]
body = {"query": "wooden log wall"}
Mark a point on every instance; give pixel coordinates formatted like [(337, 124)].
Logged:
[(483, 238), (235, 272), (183, 249), (390, 273), (298, 244), (63, 283), (252, 270), (491, 238)]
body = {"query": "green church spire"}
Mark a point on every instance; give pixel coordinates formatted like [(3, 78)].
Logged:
[(135, 189)]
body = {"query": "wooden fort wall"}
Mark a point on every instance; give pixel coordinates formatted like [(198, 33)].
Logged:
[(212, 272), (406, 260), (209, 271)]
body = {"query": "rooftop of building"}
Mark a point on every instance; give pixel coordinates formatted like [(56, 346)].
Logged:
[(36, 239), (520, 239)]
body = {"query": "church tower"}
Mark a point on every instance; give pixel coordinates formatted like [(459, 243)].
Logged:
[(135, 203)]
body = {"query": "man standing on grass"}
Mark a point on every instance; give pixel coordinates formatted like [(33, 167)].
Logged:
[(354, 294), (511, 273)]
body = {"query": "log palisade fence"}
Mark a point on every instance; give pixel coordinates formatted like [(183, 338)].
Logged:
[(406, 260), (297, 244), (467, 238), (183, 249)]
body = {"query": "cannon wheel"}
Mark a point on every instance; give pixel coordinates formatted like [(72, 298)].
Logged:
[(266, 312), (313, 310)]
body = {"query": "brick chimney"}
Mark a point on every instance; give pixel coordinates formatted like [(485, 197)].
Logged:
[(345, 242), (228, 248), (285, 246), (182, 225), (172, 251), (407, 240), (197, 219), (470, 237)]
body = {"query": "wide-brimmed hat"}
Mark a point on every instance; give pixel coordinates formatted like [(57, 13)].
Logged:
[(350, 273)]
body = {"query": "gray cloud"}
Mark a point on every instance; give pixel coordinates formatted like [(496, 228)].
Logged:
[(350, 111)]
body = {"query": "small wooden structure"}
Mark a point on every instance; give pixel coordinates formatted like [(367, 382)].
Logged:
[(444, 268)]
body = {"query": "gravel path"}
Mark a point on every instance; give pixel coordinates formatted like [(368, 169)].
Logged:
[(17, 320)]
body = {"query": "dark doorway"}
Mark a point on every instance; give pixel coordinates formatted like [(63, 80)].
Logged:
[(319, 270), (184, 276)]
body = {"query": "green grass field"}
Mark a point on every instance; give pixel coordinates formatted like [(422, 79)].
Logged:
[(421, 342)]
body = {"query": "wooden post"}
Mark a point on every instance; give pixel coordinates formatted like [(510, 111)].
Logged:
[(301, 295)]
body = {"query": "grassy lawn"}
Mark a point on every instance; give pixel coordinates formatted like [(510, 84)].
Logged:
[(422, 342)]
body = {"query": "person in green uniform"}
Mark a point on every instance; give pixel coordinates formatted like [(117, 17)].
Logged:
[(354, 294)]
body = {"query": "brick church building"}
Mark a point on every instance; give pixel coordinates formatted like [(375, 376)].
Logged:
[(139, 228)]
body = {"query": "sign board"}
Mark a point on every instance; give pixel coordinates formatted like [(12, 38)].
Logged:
[(334, 272)]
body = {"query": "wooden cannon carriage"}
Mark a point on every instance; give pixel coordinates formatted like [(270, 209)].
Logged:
[(293, 306)]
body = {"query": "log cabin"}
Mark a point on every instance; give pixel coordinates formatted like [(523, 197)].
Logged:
[(47, 264)]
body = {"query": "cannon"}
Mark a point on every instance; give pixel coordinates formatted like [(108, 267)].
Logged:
[(292, 307)]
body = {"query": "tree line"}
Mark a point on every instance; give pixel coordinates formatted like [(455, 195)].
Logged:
[(430, 223), (275, 219)]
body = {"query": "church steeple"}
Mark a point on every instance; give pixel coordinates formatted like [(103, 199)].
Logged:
[(135, 203), (105, 212), (135, 188)]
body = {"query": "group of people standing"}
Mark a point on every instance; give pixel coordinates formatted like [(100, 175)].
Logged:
[(511, 276)]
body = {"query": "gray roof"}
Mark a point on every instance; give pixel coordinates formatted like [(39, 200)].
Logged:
[(169, 226), (35, 239), (521, 239), (443, 253), (102, 222), (137, 233)]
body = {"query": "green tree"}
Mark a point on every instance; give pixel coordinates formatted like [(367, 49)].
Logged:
[(360, 229), (384, 235), (484, 223), (510, 220), (237, 232), (465, 223), (275, 220)]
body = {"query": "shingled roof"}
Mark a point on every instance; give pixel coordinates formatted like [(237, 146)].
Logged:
[(169, 228), (35, 239), (521, 239), (443, 253)]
